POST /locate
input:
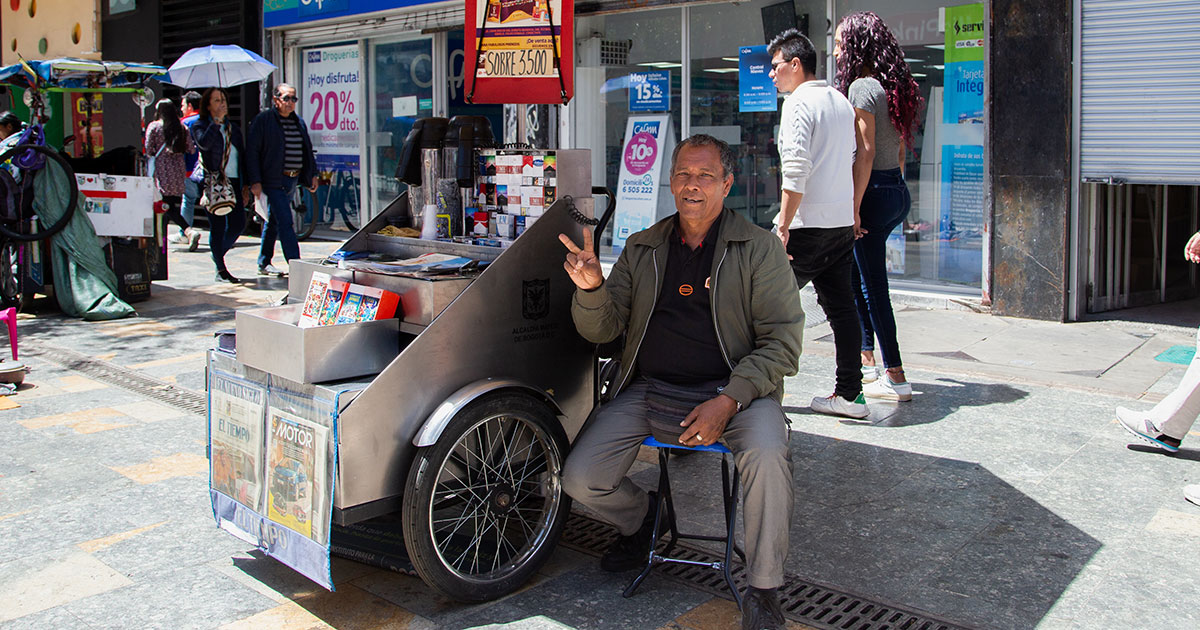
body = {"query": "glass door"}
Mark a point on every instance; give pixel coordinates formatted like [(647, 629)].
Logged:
[(402, 77)]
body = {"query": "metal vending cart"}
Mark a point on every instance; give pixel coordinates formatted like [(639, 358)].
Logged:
[(454, 419)]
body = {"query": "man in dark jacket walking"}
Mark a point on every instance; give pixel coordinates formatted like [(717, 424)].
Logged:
[(279, 155)]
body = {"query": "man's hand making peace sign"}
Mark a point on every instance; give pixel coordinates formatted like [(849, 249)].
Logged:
[(582, 264)]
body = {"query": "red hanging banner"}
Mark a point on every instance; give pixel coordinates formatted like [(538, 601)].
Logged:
[(520, 51)]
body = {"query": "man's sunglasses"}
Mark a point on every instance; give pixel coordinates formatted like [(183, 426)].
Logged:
[(287, 99)]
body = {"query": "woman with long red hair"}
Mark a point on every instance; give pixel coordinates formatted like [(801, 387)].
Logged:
[(872, 73)]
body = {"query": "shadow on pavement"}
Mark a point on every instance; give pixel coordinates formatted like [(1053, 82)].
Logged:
[(944, 536), (932, 401)]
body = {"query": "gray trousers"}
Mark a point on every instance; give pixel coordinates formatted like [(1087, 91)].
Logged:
[(595, 475)]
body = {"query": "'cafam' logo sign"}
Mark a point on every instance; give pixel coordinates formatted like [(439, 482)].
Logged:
[(314, 56), (648, 127)]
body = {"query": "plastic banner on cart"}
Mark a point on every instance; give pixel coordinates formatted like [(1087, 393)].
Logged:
[(273, 458), (519, 51)]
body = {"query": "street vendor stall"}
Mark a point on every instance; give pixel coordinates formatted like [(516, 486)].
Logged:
[(452, 418), (118, 203)]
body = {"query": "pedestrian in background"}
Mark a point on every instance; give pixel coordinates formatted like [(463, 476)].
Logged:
[(168, 142), (1165, 425), (872, 73), (279, 155), (191, 189), (817, 221), (213, 133)]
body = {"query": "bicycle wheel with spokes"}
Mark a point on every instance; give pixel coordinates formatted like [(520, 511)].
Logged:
[(305, 208), (484, 506)]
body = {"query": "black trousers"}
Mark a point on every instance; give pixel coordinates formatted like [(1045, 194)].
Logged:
[(825, 257)]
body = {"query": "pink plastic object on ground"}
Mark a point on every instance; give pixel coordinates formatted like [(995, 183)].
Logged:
[(9, 315)]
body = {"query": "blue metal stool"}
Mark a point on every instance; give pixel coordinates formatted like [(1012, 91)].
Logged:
[(729, 493)]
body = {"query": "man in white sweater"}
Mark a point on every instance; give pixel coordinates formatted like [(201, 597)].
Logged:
[(818, 221)]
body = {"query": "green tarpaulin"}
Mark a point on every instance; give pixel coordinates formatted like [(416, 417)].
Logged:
[(83, 283)]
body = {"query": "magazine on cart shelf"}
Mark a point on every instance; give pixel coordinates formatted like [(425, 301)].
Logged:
[(297, 456)]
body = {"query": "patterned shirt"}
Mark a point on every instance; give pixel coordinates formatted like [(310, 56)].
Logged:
[(170, 170), (293, 154)]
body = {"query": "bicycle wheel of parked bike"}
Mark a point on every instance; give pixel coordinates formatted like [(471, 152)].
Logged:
[(16, 288), (55, 166), (305, 208)]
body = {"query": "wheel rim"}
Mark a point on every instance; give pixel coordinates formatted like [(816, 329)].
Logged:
[(496, 497)]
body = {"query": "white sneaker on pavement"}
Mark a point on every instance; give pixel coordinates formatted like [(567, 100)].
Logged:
[(1192, 493), (870, 373), (1139, 424), (177, 238), (271, 270), (193, 236), (834, 405), (885, 389)]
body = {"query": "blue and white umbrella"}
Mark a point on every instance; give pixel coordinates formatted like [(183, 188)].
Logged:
[(218, 66)]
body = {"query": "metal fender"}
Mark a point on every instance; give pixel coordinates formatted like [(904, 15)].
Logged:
[(432, 429)]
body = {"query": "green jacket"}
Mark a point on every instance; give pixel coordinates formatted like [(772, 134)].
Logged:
[(755, 303)]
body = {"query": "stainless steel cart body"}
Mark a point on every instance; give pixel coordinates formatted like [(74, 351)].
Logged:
[(481, 368)]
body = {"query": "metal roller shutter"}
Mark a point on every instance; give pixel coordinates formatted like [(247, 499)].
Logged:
[(1140, 98)]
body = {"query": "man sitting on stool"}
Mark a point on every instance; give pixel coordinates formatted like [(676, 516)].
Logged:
[(728, 313)]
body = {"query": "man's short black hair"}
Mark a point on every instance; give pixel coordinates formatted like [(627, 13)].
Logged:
[(192, 99), (794, 45), (728, 157)]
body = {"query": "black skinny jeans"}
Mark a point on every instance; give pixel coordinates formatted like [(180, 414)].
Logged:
[(824, 256), (223, 231), (171, 206)]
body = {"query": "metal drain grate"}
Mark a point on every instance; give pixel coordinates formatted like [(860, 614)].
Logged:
[(805, 602), (125, 378)]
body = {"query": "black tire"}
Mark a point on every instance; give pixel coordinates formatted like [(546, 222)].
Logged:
[(15, 289), (486, 544), (72, 195), (304, 217)]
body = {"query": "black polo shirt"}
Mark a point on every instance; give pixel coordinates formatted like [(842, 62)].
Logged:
[(681, 345)]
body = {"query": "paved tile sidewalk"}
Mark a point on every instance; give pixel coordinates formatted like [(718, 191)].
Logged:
[(1003, 496)]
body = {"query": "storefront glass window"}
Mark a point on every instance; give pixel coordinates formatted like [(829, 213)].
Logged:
[(717, 106), (942, 240), (401, 79), (628, 68), (456, 83)]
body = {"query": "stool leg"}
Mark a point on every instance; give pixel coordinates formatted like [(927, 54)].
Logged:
[(664, 494), (731, 501), (664, 490)]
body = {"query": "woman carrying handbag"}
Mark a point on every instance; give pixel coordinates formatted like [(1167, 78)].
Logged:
[(166, 143), (221, 154)]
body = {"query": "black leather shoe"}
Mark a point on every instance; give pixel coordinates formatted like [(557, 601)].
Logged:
[(632, 552), (761, 610), (225, 276)]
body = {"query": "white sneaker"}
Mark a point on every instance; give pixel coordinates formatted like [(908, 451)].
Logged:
[(870, 373), (885, 389), (193, 236), (834, 405), (1192, 493), (1140, 425), (271, 270), (177, 238)]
